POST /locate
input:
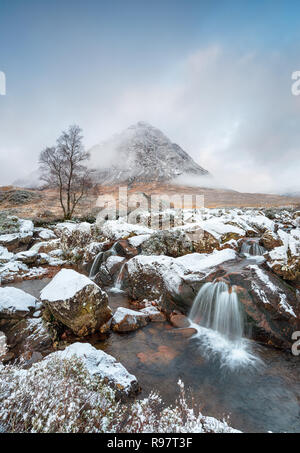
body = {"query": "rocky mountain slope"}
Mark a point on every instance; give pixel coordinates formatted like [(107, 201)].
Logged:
[(142, 153)]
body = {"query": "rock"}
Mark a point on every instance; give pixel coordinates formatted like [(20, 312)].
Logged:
[(77, 302), (271, 306), (179, 320), (29, 358), (109, 269), (126, 320), (5, 255), (3, 344), (16, 304), (102, 365), (163, 356), (203, 241), (29, 257), (172, 282), (185, 332), (173, 243), (270, 240), (285, 259), (19, 238), (124, 249), (154, 314), (28, 335)]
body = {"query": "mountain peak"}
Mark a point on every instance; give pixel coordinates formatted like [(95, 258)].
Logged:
[(142, 153)]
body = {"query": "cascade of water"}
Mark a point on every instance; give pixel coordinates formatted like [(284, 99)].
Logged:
[(252, 248), (98, 259), (95, 265), (217, 307), (118, 283)]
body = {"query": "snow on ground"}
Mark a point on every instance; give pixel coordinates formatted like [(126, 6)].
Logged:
[(14, 299)]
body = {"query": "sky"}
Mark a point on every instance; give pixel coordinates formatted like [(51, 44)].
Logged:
[(214, 76)]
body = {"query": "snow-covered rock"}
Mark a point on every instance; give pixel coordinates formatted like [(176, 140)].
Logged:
[(154, 314), (103, 365), (166, 279), (284, 260), (126, 320), (16, 303), (119, 229), (77, 302)]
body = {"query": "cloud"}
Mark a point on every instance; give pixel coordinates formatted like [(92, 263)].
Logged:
[(232, 112)]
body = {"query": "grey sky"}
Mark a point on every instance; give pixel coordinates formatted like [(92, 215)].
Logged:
[(222, 92)]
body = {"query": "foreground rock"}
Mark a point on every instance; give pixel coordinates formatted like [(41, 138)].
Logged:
[(103, 365), (126, 320), (77, 302)]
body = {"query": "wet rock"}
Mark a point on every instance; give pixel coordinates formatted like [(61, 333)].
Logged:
[(163, 356), (77, 302), (126, 320), (179, 320)]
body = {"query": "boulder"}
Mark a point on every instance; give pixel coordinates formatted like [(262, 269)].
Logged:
[(126, 320), (17, 237), (154, 314), (77, 302), (272, 307), (173, 243), (15, 304), (270, 240), (102, 365), (172, 282), (284, 260), (29, 335)]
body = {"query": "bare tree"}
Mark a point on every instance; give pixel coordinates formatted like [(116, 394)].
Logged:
[(62, 167)]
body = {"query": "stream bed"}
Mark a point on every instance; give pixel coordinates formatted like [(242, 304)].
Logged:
[(262, 397)]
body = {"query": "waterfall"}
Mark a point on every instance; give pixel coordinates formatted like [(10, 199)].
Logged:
[(118, 282), (217, 307), (95, 265), (252, 248), (98, 259)]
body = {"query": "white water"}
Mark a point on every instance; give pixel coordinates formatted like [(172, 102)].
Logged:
[(118, 282), (217, 307), (218, 317), (252, 248), (97, 261), (95, 265)]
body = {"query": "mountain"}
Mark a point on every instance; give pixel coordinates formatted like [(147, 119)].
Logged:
[(142, 153)]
